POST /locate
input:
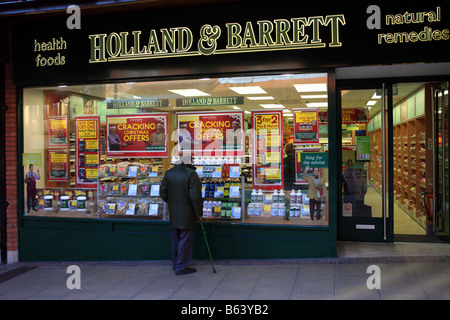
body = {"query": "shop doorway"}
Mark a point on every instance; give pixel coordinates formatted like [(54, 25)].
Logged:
[(395, 184), (420, 161), (365, 213)]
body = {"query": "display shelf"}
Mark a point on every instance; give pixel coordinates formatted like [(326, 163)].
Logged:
[(374, 166), (65, 202), (223, 192), (412, 174), (291, 208), (130, 191)]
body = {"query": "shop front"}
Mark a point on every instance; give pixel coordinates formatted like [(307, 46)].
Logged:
[(254, 102)]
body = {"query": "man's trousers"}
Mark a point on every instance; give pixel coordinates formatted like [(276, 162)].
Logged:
[(182, 245)]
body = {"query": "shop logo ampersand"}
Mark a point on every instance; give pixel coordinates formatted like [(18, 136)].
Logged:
[(207, 44)]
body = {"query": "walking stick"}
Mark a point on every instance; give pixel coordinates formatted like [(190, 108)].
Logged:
[(207, 246)]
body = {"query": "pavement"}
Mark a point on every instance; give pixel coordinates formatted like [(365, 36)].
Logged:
[(403, 271)]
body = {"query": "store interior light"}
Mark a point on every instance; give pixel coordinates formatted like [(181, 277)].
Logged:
[(371, 103), (236, 108), (317, 104), (314, 96), (190, 93), (311, 87), (265, 78), (261, 98), (248, 90), (375, 96), (272, 106)]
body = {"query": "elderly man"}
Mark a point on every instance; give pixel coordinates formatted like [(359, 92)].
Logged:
[(181, 189)]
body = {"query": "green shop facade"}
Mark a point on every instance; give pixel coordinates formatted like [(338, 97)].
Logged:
[(312, 89)]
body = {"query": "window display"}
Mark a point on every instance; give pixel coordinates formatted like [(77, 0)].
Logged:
[(129, 189), (259, 144)]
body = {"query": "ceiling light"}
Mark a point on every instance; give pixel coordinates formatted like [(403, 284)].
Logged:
[(311, 87), (314, 96), (317, 104), (248, 90), (371, 103), (236, 108), (261, 98), (190, 93), (375, 96), (272, 106)]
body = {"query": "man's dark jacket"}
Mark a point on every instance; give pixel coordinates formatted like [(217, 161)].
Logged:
[(181, 189)]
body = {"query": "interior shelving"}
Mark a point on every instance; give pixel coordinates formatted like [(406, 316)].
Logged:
[(412, 146)]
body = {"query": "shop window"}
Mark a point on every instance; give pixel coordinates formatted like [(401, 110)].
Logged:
[(260, 146)]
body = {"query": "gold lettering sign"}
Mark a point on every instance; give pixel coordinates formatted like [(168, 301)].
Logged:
[(264, 35), (426, 34)]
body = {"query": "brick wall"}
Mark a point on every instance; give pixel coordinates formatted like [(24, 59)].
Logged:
[(11, 145), (11, 167)]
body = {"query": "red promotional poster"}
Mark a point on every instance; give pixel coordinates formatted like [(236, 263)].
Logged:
[(306, 126), (211, 133), (57, 132), (135, 136), (58, 165), (355, 115), (349, 115), (267, 149), (87, 151)]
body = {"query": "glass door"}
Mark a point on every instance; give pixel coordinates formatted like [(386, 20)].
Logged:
[(440, 206), (366, 164)]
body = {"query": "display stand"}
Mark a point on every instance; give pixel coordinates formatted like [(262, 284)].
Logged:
[(130, 195), (223, 192)]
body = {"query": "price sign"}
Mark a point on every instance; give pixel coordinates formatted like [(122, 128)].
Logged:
[(267, 149)]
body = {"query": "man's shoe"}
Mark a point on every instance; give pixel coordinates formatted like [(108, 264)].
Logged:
[(35, 209), (185, 271)]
